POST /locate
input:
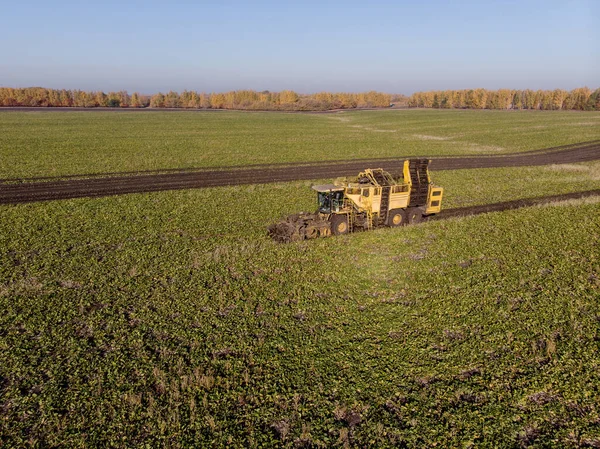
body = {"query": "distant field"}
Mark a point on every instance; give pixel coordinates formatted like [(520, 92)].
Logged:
[(61, 143), (169, 319)]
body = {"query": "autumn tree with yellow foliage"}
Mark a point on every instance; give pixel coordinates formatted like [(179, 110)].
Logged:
[(581, 99), (286, 100)]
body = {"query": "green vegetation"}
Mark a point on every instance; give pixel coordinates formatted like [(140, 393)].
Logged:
[(169, 319), (73, 143)]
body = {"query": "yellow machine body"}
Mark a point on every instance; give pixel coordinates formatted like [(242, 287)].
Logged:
[(371, 199)]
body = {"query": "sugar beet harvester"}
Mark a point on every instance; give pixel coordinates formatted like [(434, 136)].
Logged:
[(373, 199)]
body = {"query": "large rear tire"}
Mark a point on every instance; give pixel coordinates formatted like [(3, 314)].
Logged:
[(339, 224), (396, 217), (415, 215)]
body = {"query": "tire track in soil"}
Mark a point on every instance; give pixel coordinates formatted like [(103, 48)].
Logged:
[(510, 205), (15, 191)]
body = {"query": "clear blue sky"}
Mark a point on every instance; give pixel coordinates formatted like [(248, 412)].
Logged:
[(308, 46)]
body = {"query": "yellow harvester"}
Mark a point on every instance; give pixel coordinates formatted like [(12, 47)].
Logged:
[(374, 198)]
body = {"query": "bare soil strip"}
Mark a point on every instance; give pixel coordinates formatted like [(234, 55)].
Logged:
[(509, 205), (14, 191)]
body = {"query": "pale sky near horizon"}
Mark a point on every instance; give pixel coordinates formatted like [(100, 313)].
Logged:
[(309, 46)]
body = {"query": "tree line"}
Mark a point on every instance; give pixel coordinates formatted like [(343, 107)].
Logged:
[(286, 100), (581, 99)]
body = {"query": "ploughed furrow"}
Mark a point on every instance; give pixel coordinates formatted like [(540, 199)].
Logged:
[(13, 192), (509, 205)]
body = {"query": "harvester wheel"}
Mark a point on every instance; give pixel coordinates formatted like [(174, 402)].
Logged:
[(397, 217), (415, 215), (339, 224)]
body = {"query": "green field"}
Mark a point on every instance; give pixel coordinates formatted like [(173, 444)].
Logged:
[(170, 319), (34, 144)]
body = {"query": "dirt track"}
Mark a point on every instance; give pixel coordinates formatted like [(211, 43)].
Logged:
[(509, 205), (14, 191)]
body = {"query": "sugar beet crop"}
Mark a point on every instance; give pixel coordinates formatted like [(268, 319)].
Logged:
[(170, 319)]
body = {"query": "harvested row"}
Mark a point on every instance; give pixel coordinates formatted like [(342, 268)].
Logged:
[(510, 205)]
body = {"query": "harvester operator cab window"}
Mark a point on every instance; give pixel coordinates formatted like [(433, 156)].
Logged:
[(324, 202), (330, 201), (337, 200)]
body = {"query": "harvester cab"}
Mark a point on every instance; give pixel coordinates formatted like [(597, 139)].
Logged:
[(372, 199), (330, 198)]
